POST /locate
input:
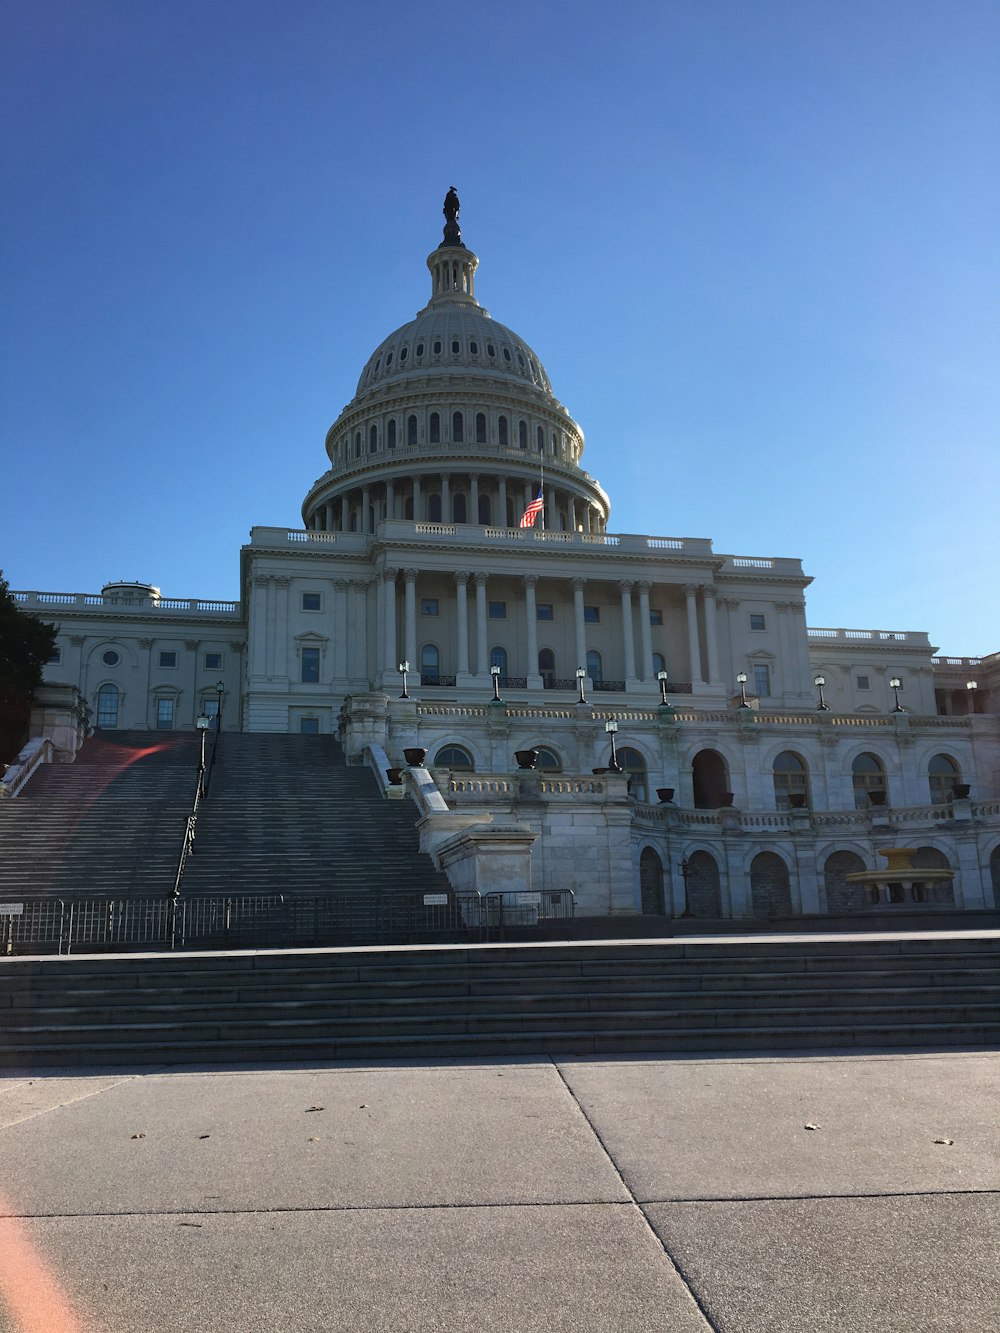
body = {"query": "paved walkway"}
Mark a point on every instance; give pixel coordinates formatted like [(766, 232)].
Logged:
[(799, 1193)]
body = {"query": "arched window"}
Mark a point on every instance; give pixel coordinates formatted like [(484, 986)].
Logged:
[(868, 775), (390, 434), (373, 439), (357, 444), (942, 773), (457, 427), (484, 510), (651, 883), (434, 508), (555, 444), (455, 757), (430, 664), (540, 439), (455, 347), (770, 890), (480, 427), (711, 779), (502, 433), (791, 781), (461, 508), (522, 435), (703, 891), (547, 667), (435, 424), (595, 667), (411, 430), (548, 761), (841, 896), (635, 767), (659, 663), (498, 657), (107, 707)]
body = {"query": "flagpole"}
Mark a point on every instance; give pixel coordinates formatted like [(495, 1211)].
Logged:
[(541, 484)]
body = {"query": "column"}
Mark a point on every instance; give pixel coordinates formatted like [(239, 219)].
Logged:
[(646, 671), (389, 659), (628, 632), (711, 633), (365, 508), (462, 620), (531, 618), (282, 583), (410, 634), (258, 626), (340, 629), (502, 503), (390, 500), (694, 644), (581, 633), (329, 515), (417, 502), (445, 497), (551, 510), (474, 497), (272, 635), (482, 657)]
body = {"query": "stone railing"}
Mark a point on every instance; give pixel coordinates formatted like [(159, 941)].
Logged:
[(31, 757), (137, 605), (912, 638), (819, 820)]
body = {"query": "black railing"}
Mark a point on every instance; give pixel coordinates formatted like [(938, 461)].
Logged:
[(435, 678), (560, 683), (513, 682), (609, 685)]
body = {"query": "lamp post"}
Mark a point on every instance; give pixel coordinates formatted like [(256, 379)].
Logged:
[(202, 722), (403, 669), (661, 676), (970, 693), (895, 684), (220, 689), (685, 869), (611, 728), (819, 682), (581, 676), (741, 681), (495, 673)]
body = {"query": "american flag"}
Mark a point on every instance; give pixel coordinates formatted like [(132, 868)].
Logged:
[(532, 512)]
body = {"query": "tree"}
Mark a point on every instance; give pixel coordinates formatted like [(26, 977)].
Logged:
[(26, 644)]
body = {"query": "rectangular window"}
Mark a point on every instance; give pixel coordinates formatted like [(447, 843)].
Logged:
[(309, 726), (56, 656), (430, 606), (864, 683), (656, 617), (757, 622), (543, 611), (164, 714), (498, 610), (213, 661), (312, 601), (310, 665), (210, 707), (762, 681), (168, 659), (592, 615)]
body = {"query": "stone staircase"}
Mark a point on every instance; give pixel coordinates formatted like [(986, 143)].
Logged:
[(502, 1000), (284, 815)]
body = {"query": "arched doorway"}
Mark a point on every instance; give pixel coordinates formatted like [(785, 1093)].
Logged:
[(841, 896), (710, 775), (770, 888), (930, 858), (704, 892), (867, 775), (651, 882), (634, 766)]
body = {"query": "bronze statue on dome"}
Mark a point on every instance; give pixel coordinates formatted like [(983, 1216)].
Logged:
[(452, 205)]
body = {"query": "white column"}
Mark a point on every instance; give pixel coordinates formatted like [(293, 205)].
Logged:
[(531, 624), (482, 656), (462, 620), (390, 660), (258, 626), (272, 632), (417, 501), (628, 632), (581, 633), (551, 510), (711, 633), (694, 644), (340, 629), (329, 515), (445, 497), (474, 497), (646, 671), (502, 502), (410, 635)]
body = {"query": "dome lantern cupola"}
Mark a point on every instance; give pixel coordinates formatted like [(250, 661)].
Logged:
[(452, 266)]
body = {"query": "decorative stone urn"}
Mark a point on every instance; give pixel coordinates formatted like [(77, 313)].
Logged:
[(664, 795), (415, 757), (526, 758)]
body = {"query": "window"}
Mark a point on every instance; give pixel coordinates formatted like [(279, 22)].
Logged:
[(56, 656), (942, 773), (473, 349), (791, 781), (420, 350), (210, 706), (540, 439), (655, 617), (357, 444), (168, 659), (309, 726), (310, 665), (522, 435), (110, 658), (498, 658), (490, 350), (437, 347), (457, 427), (757, 621), (435, 428), (388, 361), (454, 757), (390, 434), (544, 611), (867, 775), (455, 348), (502, 431), (430, 664), (404, 353), (520, 360), (373, 440), (498, 610), (659, 662), (548, 761), (411, 430), (429, 606), (311, 601), (592, 615), (213, 661), (547, 667), (164, 714), (595, 668), (762, 680), (107, 706), (506, 353), (864, 683), (635, 768), (480, 427)]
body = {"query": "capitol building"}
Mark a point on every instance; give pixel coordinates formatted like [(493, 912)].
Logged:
[(456, 586)]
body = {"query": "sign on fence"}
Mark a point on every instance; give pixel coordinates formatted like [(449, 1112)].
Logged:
[(435, 900), (11, 909), (528, 899)]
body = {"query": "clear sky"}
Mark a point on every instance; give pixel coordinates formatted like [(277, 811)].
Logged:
[(755, 243)]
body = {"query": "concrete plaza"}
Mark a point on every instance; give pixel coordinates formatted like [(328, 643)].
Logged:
[(740, 1193)]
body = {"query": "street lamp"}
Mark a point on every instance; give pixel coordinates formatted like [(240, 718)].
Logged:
[(971, 686), (611, 728), (403, 669), (220, 689), (661, 676), (741, 681), (202, 722), (819, 682), (581, 676), (495, 673), (685, 870), (895, 684)]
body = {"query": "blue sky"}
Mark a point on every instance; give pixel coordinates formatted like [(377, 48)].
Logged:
[(755, 245)]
